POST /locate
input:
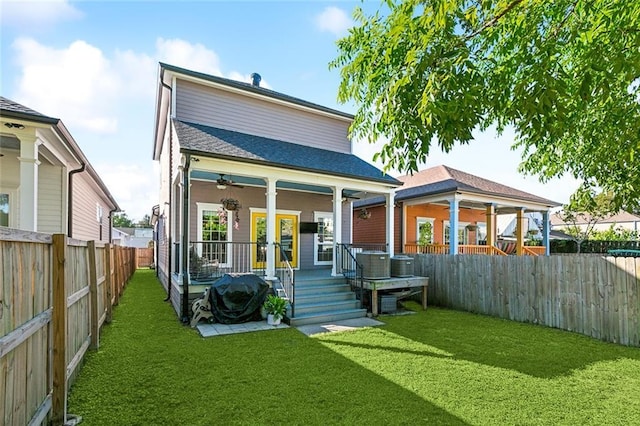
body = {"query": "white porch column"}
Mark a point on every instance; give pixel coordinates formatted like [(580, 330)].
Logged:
[(337, 227), (28, 182), (271, 228), (454, 206), (390, 198), (546, 225)]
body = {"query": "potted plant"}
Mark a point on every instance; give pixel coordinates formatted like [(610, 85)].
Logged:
[(230, 204), (364, 214), (275, 307)]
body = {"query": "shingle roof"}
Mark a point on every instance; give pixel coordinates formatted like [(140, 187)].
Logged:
[(220, 143), (14, 109), (254, 89), (442, 178)]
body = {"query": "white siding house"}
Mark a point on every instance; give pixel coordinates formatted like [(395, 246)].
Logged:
[(46, 182)]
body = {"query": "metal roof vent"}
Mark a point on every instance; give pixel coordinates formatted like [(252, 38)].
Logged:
[(255, 79)]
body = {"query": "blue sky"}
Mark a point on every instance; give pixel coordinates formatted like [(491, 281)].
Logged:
[(94, 65)]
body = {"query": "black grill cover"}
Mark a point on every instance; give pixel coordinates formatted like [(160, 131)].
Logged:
[(237, 298)]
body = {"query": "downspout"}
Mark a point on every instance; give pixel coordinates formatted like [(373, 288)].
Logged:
[(171, 218), (70, 199), (171, 209), (185, 239), (111, 212)]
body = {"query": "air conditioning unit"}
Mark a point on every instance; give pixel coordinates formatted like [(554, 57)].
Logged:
[(375, 264), (401, 266)]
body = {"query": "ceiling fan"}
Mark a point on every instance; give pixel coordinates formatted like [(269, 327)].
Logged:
[(222, 183)]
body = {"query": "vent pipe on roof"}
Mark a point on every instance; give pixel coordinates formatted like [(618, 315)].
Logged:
[(255, 79)]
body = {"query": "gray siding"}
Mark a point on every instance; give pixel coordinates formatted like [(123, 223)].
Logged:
[(226, 110), (52, 209)]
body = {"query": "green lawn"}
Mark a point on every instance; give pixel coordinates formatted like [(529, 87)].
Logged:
[(433, 367)]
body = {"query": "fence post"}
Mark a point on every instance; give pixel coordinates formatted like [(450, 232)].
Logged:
[(109, 282), (93, 294), (59, 321)]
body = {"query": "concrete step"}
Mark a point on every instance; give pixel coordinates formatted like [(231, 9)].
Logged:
[(322, 317), (326, 307)]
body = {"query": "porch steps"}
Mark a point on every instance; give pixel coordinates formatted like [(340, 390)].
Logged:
[(324, 299)]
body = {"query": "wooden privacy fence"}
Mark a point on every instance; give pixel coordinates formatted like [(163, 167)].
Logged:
[(144, 257), (592, 295), (55, 294)]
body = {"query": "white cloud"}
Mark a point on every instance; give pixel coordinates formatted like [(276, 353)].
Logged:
[(93, 91), (333, 20), (194, 57), (134, 186), (75, 83), (34, 14)]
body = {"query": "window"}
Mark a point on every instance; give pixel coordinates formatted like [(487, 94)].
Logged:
[(424, 230), (323, 244), (4, 209), (463, 234), (214, 233), (98, 213)]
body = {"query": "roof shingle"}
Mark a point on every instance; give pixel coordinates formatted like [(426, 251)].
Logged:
[(221, 143)]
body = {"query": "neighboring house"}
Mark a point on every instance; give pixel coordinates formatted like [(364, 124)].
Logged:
[(135, 237), (620, 220), (46, 182), (288, 162), (120, 237), (438, 199)]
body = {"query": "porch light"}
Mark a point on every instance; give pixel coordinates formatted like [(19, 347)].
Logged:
[(221, 186)]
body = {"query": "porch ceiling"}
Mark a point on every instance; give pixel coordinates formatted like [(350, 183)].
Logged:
[(257, 182)]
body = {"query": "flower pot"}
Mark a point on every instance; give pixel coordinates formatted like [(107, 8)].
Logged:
[(273, 319)]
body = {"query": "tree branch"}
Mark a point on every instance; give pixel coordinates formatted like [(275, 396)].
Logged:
[(494, 20)]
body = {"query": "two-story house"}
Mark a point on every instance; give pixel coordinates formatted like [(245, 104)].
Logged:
[(253, 180)]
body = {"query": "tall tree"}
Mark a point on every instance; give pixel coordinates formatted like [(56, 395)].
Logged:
[(121, 220), (564, 74)]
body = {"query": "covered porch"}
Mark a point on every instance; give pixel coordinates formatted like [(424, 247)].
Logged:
[(283, 218)]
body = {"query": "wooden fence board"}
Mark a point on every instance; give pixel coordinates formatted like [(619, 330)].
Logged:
[(591, 295), (27, 311)]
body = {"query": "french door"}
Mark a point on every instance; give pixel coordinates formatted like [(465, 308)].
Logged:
[(286, 236)]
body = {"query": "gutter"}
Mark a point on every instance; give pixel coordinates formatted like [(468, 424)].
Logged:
[(70, 201)]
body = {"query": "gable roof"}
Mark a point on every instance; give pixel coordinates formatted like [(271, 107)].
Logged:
[(250, 88), (442, 179), (219, 143)]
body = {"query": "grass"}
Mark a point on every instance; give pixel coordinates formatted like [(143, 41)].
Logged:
[(433, 367)]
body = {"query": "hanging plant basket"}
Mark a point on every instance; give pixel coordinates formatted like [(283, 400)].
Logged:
[(472, 227), (364, 214), (230, 204)]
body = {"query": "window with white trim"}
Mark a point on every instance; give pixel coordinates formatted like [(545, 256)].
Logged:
[(214, 233), (463, 233), (424, 230)]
